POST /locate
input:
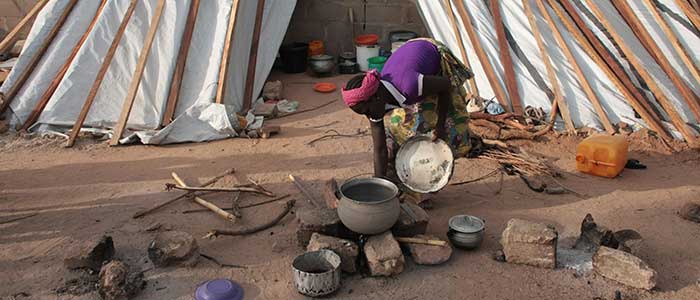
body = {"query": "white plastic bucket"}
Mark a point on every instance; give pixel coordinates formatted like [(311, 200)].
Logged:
[(396, 45), (364, 53)]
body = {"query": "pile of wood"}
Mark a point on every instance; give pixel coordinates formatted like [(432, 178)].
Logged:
[(565, 12)]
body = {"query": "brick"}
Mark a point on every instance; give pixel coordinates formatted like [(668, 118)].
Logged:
[(324, 10), (428, 254), (91, 253), (384, 257), (413, 15), (346, 249), (382, 13), (530, 243), (407, 226), (320, 220), (624, 268), (173, 248)]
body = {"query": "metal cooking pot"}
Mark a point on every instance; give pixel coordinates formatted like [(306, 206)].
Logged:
[(322, 64), (369, 205)]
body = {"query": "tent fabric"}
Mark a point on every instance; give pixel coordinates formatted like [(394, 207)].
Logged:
[(200, 79), (582, 112)]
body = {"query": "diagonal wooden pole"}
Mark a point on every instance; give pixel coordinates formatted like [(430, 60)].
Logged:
[(583, 81), (174, 94), (226, 54), (652, 47), (559, 102), (506, 58), (483, 57), (609, 65), (34, 61), (458, 35), (44, 100), (651, 82), (138, 73), (12, 36), (253, 59), (692, 15), (101, 74)]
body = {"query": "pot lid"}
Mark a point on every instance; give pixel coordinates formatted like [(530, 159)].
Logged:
[(219, 289), (367, 39), (466, 224)]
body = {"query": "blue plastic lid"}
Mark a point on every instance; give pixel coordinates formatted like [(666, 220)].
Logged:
[(219, 289)]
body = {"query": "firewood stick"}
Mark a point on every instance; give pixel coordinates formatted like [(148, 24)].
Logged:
[(218, 189), (407, 240), (303, 190), (207, 183), (241, 206), (216, 232), (205, 203), (235, 208)]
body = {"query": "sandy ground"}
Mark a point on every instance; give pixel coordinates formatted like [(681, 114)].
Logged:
[(94, 189)]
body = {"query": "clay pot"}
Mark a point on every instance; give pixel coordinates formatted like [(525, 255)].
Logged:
[(368, 205)]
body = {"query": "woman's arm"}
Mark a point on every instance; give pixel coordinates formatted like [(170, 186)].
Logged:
[(379, 148), (438, 85)]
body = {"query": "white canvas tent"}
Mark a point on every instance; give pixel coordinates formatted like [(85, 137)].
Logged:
[(198, 118), (530, 70)]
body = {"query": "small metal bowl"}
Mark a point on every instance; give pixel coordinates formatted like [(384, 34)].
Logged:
[(466, 232), (317, 273)]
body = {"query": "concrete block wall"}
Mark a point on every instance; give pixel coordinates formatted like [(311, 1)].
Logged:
[(11, 12), (329, 21)]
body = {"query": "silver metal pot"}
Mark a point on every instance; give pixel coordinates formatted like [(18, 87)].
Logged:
[(317, 273), (466, 232), (322, 63), (369, 205)]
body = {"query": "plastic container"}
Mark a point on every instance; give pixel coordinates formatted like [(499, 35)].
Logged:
[(294, 57), (366, 39), (376, 62), (602, 155), (219, 289), (316, 48), (364, 53)]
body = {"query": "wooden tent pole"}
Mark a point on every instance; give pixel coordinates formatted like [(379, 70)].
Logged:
[(693, 16), (12, 92), (651, 82), (44, 100), (483, 58), (585, 85), (506, 58), (138, 73), (653, 48), (610, 66), (226, 55), (174, 93), (558, 102), (473, 89), (101, 74), (11, 37), (253, 59)]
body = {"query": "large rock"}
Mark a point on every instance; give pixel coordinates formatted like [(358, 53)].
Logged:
[(413, 220), (624, 268), (91, 253), (691, 212), (629, 241), (428, 254), (117, 283), (530, 243), (321, 220), (384, 257), (347, 250), (173, 248), (594, 235)]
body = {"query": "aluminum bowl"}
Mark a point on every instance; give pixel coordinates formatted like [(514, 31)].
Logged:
[(466, 232), (322, 64), (369, 205), (424, 166), (317, 273)]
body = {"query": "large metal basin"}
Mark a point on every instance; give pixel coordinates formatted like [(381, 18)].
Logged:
[(368, 205)]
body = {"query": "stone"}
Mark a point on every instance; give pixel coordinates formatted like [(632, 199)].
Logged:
[(330, 193), (594, 235), (173, 248), (117, 283), (413, 220), (629, 241), (267, 110), (530, 243), (384, 257), (3, 126), (90, 254), (272, 90), (322, 220), (429, 254), (691, 212), (347, 250), (624, 268)]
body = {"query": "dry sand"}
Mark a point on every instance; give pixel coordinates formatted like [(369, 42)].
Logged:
[(93, 189)]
